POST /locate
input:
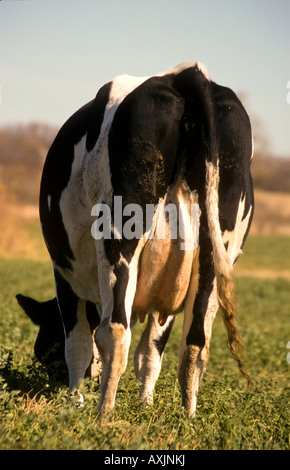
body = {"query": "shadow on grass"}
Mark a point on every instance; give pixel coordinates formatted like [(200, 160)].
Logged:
[(32, 379)]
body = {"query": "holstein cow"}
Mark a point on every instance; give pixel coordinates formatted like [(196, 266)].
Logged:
[(174, 140)]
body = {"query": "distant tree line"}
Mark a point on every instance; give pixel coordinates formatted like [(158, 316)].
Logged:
[(23, 149), (271, 173)]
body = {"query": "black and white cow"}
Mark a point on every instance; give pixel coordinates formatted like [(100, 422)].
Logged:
[(175, 139)]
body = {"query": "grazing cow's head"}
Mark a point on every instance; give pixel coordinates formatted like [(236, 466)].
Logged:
[(49, 347), (49, 344)]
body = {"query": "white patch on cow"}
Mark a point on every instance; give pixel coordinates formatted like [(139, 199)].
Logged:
[(97, 173), (122, 85), (132, 281), (210, 314), (49, 201), (78, 348), (253, 148), (185, 65), (177, 69), (76, 215), (202, 69), (96, 365), (235, 237), (147, 359), (220, 257)]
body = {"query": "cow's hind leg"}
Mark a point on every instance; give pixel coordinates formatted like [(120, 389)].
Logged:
[(194, 348), (149, 353), (78, 337), (113, 336), (93, 317), (194, 357), (113, 341)]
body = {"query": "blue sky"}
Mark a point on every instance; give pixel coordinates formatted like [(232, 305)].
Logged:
[(55, 54)]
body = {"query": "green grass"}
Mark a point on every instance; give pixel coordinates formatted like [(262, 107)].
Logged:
[(271, 252), (36, 414)]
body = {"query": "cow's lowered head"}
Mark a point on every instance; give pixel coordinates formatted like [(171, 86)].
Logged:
[(49, 347), (49, 344)]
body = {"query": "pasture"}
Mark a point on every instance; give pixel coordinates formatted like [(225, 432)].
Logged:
[(37, 414)]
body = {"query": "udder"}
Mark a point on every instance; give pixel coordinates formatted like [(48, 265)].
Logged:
[(166, 264), (164, 277)]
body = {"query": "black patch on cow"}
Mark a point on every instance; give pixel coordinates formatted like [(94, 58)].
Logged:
[(97, 112), (67, 301), (235, 151), (199, 114), (160, 343), (121, 272), (57, 171), (92, 315), (144, 142), (196, 335)]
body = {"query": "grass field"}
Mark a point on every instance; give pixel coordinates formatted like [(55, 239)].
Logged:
[(36, 414)]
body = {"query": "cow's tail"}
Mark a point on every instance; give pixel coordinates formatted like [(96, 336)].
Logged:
[(222, 267), (221, 260)]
